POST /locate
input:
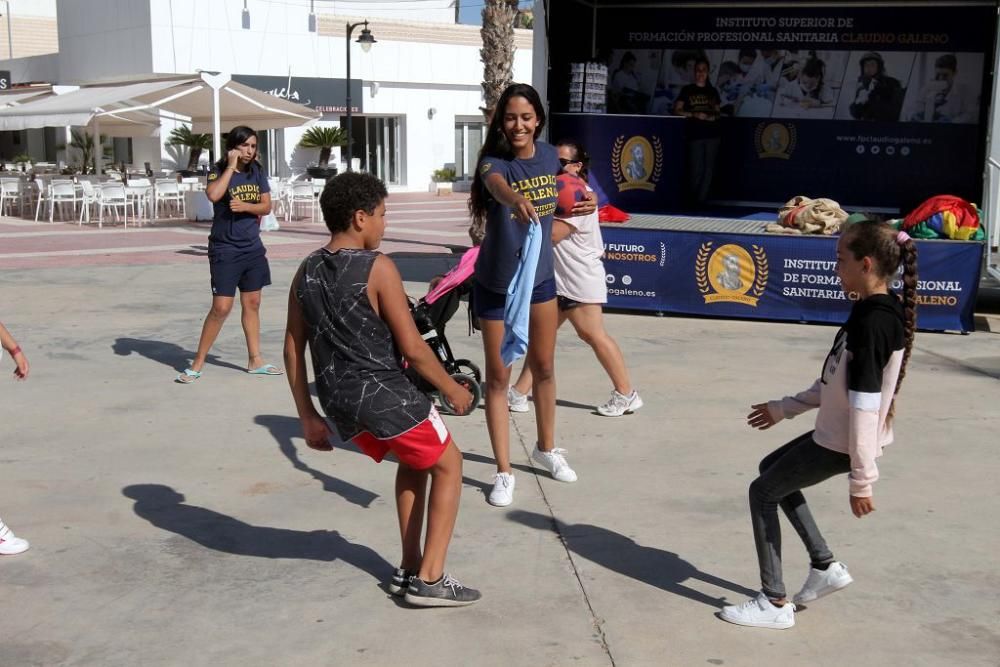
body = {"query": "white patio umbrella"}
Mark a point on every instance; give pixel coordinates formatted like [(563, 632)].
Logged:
[(134, 108)]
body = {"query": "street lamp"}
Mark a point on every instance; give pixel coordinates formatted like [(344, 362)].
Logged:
[(365, 40)]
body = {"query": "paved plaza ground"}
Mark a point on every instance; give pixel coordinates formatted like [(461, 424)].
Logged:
[(190, 525)]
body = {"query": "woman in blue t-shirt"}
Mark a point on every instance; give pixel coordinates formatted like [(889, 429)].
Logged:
[(515, 186), (237, 258)]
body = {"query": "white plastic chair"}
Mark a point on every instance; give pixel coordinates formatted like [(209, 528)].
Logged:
[(113, 196), (278, 204), (301, 193), (168, 191), (91, 198), (62, 192), (10, 193)]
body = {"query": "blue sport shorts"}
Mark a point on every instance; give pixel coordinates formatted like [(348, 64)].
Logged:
[(487, 305)]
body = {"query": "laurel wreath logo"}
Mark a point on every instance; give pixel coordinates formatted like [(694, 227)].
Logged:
[(701, 267), (658, 164), (616, 158), (760, 280)]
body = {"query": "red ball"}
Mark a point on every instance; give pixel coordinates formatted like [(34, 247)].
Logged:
[(570, 189)]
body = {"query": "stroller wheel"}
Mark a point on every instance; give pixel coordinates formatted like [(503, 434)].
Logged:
[(473, 388), (469, 368)]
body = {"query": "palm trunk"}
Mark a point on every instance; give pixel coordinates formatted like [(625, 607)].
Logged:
[(324, 156), (193, 158)]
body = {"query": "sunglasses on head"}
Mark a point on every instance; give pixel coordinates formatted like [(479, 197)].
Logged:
[(563, 161)]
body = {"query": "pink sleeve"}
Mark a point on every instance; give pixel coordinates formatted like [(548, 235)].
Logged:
[(863, 447), (793, 406)]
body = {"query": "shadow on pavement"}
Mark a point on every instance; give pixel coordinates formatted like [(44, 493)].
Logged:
[(662, 569), (283, 429), (168, 354), (164, 508)]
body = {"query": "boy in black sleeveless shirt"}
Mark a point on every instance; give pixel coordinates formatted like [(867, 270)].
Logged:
[(347, 301)]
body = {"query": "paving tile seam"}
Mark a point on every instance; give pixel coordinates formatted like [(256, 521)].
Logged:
[(595, 620)]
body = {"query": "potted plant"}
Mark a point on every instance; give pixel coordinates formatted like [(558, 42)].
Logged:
[(84, 142), (324, 138), (443, 179), (195, 142), (23, 160)]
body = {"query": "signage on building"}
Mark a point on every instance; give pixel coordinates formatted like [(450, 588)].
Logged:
[(328, 96), (5, 80)]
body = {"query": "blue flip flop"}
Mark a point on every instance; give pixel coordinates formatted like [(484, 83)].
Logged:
[(188, 376), (267, 369)]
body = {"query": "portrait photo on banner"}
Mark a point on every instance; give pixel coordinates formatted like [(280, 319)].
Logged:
[(810, 84), (875, 85), (632, 77), (944, 87)]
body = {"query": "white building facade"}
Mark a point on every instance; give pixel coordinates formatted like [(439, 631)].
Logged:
[(416, 95)]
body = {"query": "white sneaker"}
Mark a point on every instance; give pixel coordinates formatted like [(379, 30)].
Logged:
[(620, 404), (503, 489), (823, 582), (11, 544), (758, 612), (554, 462), (516, 401)]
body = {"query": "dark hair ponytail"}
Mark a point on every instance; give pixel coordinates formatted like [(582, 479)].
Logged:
[(889, 249), (908, 258)]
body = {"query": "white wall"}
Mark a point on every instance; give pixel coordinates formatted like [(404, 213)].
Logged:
[(35, 8), (102, 39), (34, 69)]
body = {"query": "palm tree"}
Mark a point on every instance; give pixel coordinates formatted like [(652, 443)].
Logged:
[(497, 53), (84, 142), (183, 136), (325, 138)]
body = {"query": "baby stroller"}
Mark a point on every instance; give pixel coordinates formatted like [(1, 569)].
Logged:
[(431, 313)]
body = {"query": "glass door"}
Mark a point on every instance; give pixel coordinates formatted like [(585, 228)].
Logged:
[(377, 146), (469, 137)]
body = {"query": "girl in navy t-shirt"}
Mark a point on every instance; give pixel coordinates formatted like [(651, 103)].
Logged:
[(515, 186), (240, 193)]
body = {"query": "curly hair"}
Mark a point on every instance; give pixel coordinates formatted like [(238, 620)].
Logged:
[(347, 193), (878, 240)]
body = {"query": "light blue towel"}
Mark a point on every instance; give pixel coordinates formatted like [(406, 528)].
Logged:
[(517, 308)]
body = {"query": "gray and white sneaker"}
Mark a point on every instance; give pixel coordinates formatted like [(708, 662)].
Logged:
[(554, 461), (503, 489), (445, 592), (620, 404), (400, 581), (516, 401), (823, 582)]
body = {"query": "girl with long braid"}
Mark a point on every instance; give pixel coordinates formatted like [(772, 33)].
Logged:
[(855, 396)]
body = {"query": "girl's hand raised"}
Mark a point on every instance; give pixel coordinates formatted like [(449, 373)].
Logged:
[(760, 418)]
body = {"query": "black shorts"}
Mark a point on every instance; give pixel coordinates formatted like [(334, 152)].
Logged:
[(249, 274)]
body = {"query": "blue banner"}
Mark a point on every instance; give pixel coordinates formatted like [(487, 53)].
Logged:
[(875, 107), (772, 277), (637, 161)]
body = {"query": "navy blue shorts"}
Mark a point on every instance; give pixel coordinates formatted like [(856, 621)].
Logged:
[(248, 274), (489, 305)]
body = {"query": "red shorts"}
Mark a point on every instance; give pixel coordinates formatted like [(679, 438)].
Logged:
[(419, 448)]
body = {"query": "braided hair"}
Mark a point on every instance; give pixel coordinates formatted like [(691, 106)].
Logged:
[(889, 249)]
